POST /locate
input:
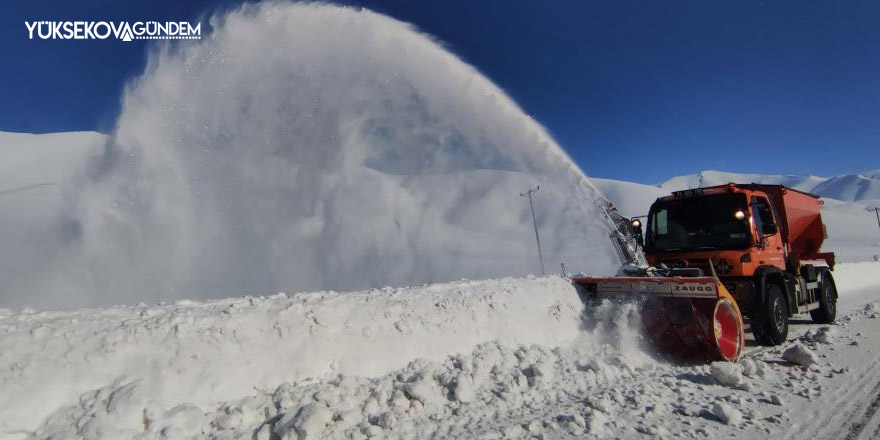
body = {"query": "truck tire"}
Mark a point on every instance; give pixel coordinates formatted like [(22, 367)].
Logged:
[(827, 310), (770, 325)]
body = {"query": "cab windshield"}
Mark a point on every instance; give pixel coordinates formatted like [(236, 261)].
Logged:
[(695, 223)]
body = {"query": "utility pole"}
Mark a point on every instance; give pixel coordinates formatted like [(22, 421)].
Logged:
[(535, 223), (877, 213)]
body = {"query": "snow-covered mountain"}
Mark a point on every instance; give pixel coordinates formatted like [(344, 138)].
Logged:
[(711, 178), (37, 181), (849, 187), (388, 230)]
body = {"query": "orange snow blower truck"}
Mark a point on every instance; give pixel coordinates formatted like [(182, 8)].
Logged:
[(716, 253)]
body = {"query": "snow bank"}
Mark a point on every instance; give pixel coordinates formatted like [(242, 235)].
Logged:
[(509, 358), (204, 353), (852, 230), (854, 276), (421, 400)]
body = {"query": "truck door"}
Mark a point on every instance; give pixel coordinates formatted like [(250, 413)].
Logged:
[(769, 243)]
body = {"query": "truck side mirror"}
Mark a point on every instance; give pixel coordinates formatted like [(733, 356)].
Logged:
[(769, 229)]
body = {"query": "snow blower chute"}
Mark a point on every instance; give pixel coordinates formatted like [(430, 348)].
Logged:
[(687, 314)]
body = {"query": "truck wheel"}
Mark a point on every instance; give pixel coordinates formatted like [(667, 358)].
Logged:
[(771, 327), (757, 331), (827, 310)]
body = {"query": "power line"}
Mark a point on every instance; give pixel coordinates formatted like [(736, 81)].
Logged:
[(24, 188)]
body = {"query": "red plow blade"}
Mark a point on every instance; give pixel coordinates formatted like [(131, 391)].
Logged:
[(688, 318)]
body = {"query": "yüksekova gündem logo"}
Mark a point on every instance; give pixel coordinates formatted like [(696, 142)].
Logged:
[(123, 30)]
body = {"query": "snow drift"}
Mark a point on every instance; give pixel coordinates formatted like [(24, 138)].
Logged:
[(455, 360), (308, 147), (204, 353)]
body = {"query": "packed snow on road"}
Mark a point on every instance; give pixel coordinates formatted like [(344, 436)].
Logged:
[(505, 358)]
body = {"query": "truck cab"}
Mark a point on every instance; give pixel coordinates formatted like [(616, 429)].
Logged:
[(762, 241)]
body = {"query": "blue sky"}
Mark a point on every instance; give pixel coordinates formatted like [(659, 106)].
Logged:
[(634, 90)]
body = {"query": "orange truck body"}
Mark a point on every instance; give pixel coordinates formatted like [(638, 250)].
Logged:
[(718, 253), (800, 221), (793, 250)]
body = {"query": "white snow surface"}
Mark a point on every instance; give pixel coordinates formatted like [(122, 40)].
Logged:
[(797, 353), (203, 353), (506, 358)]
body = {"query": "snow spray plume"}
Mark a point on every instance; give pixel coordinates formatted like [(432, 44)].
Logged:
[(613, 331), (306, 146)]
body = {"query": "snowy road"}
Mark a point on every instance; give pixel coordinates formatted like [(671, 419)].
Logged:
[(509, 358), (837, 397)]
